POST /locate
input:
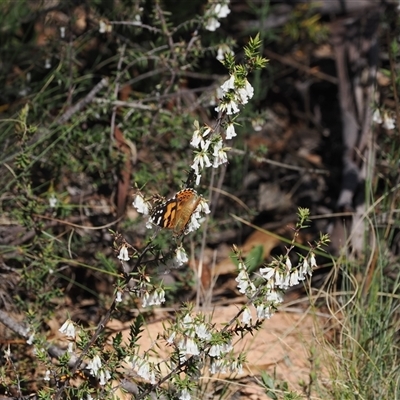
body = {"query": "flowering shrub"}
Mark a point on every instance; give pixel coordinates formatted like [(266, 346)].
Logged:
[(196, 345), (195, 341)]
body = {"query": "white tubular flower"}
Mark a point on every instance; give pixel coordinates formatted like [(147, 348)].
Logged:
[(219, 153), (232, 108), (288, 264), (228, 85), (191, 347), (384, 119), (229, 106), (376, 116), (217, 366), (246, 317), (264, 312), (123, 253), (160, 297), (187, 321), (222, 10), (313, 262), (274, 297), (217, 10), (198, 136), (153, 299), (198, 178), (245, 93), (181, 256), (102, 26), (245, 285), (146, 300), (203, 207), (388, 122), (222, 50), (68, 329), (282, 280), (70, 348), (53, 201), (149, 224), (194, 223), (184, 395), (212, 24), (267, 273), (305, 267), (47, 375), (94, 365), (215, 350), (200, 160), (226, 347), (243, 282), (144, 370), (141, 205), (202, 332), (236, 366), (294, 278), (118, 297), (104, 376), (230, 131), (7, 352), (30, 339)]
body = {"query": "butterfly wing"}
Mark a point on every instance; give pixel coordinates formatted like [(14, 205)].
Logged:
[(176, 212), (164, 214)]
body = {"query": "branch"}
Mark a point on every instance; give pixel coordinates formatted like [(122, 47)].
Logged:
[(80, 105)]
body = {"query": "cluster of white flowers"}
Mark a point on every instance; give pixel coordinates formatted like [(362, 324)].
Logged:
[(206, 148), (192, 336), (180, 256), (68, 329), (290, 276), (233, 92), (98, 371), (210, 149), (185, 395), (383, 118), (277, 279), (245, 285), (216, 11), (155, 298), (144, 369)]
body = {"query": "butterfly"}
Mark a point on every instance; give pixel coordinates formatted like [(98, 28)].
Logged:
[(176, 212)]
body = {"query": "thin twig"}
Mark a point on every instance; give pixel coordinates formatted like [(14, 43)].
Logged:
[(80, 105), (301, 67), (138, 24), (279, 164), (171, 46), (116, 90), (129, 104)]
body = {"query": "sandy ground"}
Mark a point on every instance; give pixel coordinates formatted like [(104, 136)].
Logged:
[(280, 348)]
